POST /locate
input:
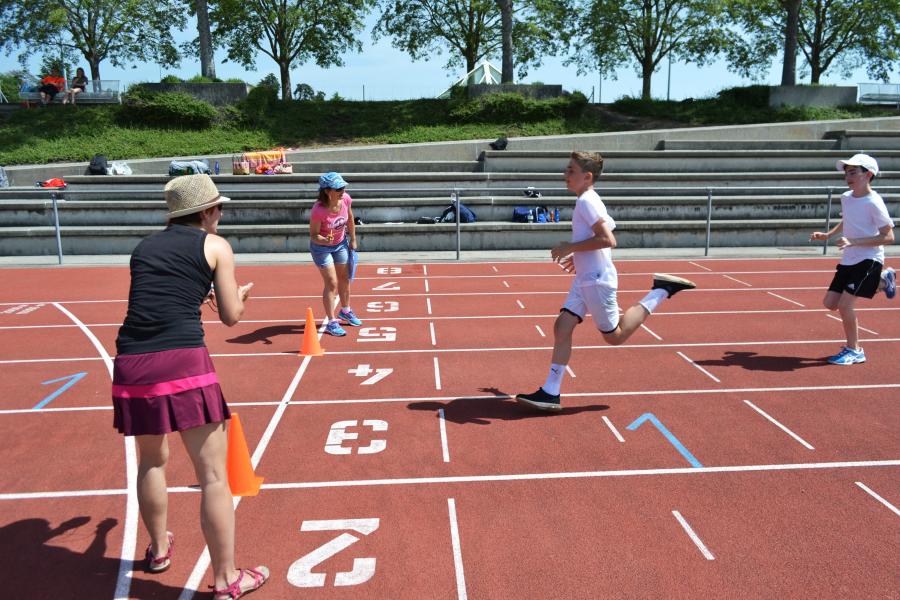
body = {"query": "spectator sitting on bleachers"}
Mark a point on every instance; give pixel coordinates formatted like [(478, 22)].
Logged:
[(79, 84), (51, 85)]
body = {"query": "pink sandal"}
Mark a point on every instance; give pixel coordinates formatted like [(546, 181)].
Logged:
[(234, 590), (158, 564)]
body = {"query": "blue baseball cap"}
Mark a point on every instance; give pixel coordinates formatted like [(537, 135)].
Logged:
[(332, 180)]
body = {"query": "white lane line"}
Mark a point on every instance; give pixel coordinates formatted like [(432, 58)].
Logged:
[(540, 331), (495, 269), (613, 429), (694, 537), (505, 284), (425, 270), (861, 328), (650, 332), (437, 374), (701, 369), (785, 299), (869, 491), (428, 304), (195, 579), (738, 280), (570, 371), (129, 533), (779, 425), (445, 449), (519, 302), (457, 551), (433, 339), (489, 478), (699, 266), (426, 286)]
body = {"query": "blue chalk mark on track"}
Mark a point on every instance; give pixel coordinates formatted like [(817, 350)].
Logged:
[(73, 379), (672, 439)]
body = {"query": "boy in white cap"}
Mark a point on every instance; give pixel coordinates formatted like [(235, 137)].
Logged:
[(596, 281), (865, 227)]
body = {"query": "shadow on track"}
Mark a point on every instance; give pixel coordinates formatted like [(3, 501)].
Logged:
[(264, 334), (759, 362), (481, 411), (37, 568)]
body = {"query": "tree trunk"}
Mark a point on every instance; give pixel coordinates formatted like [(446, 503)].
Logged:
[(285, 68), (94, 63), (646, 76), (791, 33), (207, 59), (506, 20)]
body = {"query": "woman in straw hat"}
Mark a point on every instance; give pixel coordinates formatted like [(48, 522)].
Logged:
[(164, 380)]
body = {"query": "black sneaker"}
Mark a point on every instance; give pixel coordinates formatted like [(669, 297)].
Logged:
[(671, 284), (540, 400)]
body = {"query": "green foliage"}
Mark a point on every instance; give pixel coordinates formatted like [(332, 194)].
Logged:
[(202, 79), (10, 84), (171, 79), (515, 108), (166, 110), (235, 80)]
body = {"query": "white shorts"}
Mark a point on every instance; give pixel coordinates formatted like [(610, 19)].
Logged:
[(599, 300)]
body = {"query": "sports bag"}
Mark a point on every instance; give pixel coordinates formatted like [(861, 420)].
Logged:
[(465, 214), (98, 165), (4, 180), (520, 214), (188, 167)]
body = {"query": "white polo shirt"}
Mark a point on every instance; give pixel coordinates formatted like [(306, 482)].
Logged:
[(595, 266)]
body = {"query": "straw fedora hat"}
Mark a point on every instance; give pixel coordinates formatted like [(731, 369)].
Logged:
[(189, 194)]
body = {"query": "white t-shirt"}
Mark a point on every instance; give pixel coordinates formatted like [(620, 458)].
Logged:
[(594, 266), (863, 217)]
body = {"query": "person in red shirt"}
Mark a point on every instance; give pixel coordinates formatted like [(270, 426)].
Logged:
[(51, 85)]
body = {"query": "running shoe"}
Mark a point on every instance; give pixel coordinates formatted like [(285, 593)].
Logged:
[(348, 315), (848, 356), (890, 283), (334, 328), (671, 283), (540, 400)]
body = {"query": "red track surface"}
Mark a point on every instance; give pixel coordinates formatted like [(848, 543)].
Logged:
[(465, 494)]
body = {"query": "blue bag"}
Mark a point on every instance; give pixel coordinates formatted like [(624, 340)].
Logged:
[(520, 214), (351, 263)]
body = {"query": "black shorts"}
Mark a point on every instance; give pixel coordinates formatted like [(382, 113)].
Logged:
[(860, 279)]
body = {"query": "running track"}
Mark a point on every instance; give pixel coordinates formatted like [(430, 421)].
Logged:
[(715, 455)]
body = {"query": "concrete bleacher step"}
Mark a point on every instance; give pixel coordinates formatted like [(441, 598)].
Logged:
[(748, 145), (683, 161), (875, 141), (36, 241)]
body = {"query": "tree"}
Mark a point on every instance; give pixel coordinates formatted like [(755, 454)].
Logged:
[(290, 32), (643, 33), (120, 31), (207, 59), (831, 34), (472, 30)]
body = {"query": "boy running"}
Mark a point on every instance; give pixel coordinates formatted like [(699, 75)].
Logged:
[(864, 226), (594, 287)]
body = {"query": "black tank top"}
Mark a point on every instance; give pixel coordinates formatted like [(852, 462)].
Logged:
[(169, 280)]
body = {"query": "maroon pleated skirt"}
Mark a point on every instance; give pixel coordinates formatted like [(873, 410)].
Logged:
[(162, 392)]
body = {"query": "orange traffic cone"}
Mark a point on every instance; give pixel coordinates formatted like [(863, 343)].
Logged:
[(241, 478), (311, 345)]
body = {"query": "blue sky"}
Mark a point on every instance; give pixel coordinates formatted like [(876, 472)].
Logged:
[(385, 73)]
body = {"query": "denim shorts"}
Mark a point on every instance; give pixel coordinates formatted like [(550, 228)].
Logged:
[(325, 256)]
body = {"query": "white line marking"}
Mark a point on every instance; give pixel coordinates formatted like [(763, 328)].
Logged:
[(428, 304), (779, 425), (613, 429), (129, 533), (488, 478), (785, 299), (505, 284), (869, 491), (694, 537), (445, 449), (570, 371), (195, 579), (495, 269), (650, 332), (861, 328), (540, 331), (738, 280), (437, 374), (457, 551), (699, 266), (426, 286), (433, 339), (425, 270), (702, 370), (519, 302)]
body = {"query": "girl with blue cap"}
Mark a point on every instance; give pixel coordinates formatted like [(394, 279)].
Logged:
[(332, 235)]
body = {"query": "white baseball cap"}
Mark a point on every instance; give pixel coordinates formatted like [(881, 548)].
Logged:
[(859, 160)]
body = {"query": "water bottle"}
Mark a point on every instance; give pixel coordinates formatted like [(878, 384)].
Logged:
[(530, 216), (556, 215), (217, 167)]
